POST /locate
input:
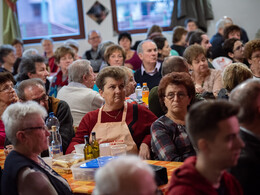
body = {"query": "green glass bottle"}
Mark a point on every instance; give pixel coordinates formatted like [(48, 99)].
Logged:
[(88, 152), (95, 145)]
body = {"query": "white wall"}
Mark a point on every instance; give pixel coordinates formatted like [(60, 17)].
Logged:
[(244, 13)]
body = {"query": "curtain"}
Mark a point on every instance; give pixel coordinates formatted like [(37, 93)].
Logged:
[(11, 29), (201, 10)]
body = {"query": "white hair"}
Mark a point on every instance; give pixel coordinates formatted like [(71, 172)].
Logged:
[(78, 69), (71, 42), (15, 114), (140, 45), (109, 178), (221, 24), (30, 52)]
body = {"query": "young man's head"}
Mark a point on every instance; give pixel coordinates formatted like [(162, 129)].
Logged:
[(234, 49), (201, 38), (214, 131), (179, 36)]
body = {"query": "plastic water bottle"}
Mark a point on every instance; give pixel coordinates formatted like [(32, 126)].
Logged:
[(138, 91), (55, 147), (145, 93), (55, 140), (52, 121)]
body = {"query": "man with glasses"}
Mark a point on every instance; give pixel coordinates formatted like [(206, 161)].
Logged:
[(234, 49), (252, 54), (33, 89), (94, 39)]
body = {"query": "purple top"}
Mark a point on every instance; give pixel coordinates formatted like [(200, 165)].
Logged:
[(135, 61)]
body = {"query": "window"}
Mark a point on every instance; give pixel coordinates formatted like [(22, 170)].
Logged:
[(59, 20), (136, 16)]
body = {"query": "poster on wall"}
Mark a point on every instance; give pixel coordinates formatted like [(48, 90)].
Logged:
[(98, 12)]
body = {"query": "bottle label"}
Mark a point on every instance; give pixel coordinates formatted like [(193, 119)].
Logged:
[(145, 93), (55, 151)]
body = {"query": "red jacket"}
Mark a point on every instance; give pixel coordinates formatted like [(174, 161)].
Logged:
[(141, 128), (187, 180)]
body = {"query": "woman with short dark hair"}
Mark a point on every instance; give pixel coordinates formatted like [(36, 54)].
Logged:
[(7, 97), (64, 56), (170, 140), (7, 58), (132, 59)]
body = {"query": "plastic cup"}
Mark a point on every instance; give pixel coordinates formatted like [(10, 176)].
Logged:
[(118, 150), (104, 149), (79, 148)]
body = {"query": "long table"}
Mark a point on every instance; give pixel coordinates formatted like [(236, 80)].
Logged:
[(86, 187)]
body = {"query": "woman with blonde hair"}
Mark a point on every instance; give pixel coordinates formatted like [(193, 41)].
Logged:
[(233, 75)]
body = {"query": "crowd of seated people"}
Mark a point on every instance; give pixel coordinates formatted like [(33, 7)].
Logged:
[(97, 94)]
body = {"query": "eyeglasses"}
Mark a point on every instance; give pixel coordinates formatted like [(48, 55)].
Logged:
[(44, 98), (7, 88), (257, 57), (239, 48), (43, 128), (171, 95), (94, 38)]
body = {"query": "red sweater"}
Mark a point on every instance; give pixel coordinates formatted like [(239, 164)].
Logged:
[(2, 134), (187, 180), (141, 128)]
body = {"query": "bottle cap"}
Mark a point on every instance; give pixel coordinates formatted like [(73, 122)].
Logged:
[(51, 114), (53, 128), (144, 84)]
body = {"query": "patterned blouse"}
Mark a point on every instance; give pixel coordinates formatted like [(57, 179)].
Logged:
[(170, 141)]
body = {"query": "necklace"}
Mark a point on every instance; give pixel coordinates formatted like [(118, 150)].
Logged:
[(112, 115)]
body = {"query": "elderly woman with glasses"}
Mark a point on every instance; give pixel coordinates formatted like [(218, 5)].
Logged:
[(170, 141), (7, 97), (117, 121), (25, 172)]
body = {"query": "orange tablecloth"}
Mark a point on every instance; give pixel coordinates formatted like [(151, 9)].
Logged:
[(86, 187)]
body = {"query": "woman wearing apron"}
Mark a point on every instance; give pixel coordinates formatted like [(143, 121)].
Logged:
[(117, 121)]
